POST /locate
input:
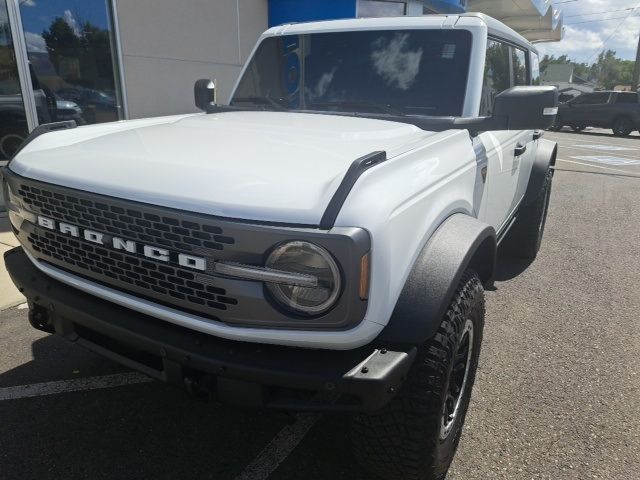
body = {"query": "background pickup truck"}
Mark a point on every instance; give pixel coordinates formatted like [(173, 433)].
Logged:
[(619, 111)]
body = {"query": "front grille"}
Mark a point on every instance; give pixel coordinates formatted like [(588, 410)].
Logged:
[(171, 282), (166, 280), (164, 283), (166, 230)]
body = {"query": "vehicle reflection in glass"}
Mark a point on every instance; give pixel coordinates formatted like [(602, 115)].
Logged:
[(13, 120), (70, 52)]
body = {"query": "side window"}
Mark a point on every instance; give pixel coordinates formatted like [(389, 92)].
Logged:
[(627, 98), (595, 99), (519, 59), (497, 74), (535, 69)]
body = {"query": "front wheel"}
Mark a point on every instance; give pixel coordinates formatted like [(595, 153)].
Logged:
[(557, 124), (578, 128), (416, 435), (622, 126)]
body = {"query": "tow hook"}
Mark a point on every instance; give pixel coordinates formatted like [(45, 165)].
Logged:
[(39, 318)]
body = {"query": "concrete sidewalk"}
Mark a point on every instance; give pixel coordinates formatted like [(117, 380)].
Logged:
[(9, 295)]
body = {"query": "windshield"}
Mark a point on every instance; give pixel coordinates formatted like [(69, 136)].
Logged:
[(422, 72)]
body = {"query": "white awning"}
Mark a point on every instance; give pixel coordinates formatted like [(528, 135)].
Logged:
[(536, 20)]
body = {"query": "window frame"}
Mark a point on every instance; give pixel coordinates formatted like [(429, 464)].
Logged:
[(512, 47), (594, 94)]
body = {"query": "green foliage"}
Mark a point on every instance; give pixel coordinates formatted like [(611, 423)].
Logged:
[(79, 56), (607, 72)]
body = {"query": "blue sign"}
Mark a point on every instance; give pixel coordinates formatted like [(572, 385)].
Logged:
[(289, 11)]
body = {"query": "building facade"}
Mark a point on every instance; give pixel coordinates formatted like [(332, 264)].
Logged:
[(103, 60)]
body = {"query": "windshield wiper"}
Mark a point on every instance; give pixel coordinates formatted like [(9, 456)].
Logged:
[(261, 100), (359, 104)]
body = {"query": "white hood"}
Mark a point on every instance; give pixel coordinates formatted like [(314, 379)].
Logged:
[(270, 166)]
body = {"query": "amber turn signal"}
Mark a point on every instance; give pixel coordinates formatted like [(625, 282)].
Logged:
[(364, 277)]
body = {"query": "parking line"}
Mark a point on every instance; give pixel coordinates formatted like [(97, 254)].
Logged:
[(617, 153), (278, 449), (74, 385), (592, 165)]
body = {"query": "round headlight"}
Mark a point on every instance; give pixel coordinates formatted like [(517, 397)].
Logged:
[(307, 259)]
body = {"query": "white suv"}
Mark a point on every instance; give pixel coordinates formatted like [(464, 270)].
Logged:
[(320, 243)]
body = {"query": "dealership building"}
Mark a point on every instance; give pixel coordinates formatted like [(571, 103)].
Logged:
[(104, 60)]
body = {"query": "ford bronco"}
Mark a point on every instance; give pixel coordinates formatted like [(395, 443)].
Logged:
[(321, 242)]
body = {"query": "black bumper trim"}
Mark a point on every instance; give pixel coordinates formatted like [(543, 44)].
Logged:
[(245, 374)]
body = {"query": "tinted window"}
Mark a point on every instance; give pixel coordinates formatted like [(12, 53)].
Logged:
[(535, 69), (412, 71), (627, 98), (519, 67), (593, 99), (497, 74)]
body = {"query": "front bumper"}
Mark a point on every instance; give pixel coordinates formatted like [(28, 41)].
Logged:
[(243, 374)]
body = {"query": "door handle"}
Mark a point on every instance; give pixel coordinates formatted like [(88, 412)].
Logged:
[(520, 149)]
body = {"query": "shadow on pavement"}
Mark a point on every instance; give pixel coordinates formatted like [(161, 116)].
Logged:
[(633, 136), (509, 268), (148, 430)]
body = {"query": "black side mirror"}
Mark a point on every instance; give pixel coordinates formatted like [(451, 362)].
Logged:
[(527, 108), (204, 93)]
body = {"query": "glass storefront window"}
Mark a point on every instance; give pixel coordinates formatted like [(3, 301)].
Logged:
[(13, 119), (71, 59)]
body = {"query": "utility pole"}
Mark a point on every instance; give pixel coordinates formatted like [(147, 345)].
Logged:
[(636, 71)]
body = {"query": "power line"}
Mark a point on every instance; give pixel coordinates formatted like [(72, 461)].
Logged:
[(598, 13), (601, 48), (599, 20)]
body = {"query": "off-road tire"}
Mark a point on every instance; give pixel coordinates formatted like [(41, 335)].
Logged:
[(403, 440), (557, 124), (622, 126), (525, 237)]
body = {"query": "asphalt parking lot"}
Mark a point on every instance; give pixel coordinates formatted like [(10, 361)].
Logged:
[(557, 394)]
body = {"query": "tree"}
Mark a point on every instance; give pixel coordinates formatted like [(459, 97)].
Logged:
[(607, 72), (88, 48)]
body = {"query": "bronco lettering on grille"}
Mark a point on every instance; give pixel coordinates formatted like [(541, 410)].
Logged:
[(149, 251)]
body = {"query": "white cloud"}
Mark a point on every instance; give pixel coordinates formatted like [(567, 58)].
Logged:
[(35, 42), (394, 63), (323, 84), (28, 3), (583, 41), (71, 21)]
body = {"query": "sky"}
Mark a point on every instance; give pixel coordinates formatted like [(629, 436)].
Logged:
[(37, 15), (585, 37)]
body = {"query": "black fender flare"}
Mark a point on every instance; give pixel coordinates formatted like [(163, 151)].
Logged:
[(459, 243), (545, 157)]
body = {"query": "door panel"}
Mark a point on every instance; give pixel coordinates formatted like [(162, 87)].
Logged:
[(505, 66), (13, 118), (505, 173)]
